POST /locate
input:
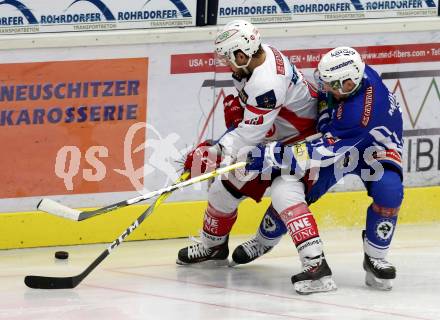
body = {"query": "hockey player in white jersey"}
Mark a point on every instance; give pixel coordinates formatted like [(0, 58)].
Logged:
[(276, 103)]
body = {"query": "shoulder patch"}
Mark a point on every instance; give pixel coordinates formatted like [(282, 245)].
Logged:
[(278, 61), (267, 100)]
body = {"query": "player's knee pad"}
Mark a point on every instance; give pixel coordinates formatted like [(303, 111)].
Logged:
[(388, 191), (221, 199), (271, 228), (286, 193)]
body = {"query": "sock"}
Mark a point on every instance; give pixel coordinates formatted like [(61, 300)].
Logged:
[(271, 228), (216, 226), (303, 230), (379, 230)]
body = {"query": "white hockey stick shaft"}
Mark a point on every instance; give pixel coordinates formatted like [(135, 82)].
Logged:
[(63, 211)]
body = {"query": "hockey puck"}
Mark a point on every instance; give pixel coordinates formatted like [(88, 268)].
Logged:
[(61, 255)]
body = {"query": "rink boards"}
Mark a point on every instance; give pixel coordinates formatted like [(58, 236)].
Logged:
[(183, 219), (75, 111)]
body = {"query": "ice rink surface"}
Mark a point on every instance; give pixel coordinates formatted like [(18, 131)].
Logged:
[(140, 280)]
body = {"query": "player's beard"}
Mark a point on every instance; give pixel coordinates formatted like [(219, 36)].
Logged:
[(242, 73), (340, 97)]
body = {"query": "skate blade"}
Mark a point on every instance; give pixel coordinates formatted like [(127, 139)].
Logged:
[(232, 264), (205, 264), (377, 283), (325, 284)]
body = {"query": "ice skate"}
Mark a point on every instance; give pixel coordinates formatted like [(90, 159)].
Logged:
[(379, 273), (249, 251), (315, 277), (199, 253)]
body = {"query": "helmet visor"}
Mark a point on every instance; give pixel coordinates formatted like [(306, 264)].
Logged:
[(324, 86), (221, 59)]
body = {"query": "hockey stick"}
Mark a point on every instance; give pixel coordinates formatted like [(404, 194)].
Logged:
[(52, 207), (55, 208), (42, 282)]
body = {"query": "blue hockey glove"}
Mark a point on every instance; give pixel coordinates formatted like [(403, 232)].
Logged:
[(265, 157)]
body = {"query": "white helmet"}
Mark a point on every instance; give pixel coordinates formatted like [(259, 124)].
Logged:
[(338, 65), (237, 35)]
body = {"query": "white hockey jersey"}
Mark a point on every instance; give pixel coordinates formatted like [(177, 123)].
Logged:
[(279, 105)]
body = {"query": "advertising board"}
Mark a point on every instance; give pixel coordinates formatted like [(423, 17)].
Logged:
[(31, 16)]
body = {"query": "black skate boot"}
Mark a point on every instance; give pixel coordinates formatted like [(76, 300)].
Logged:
[(315, 277), (249, 251), (379, 273), (199, 253)]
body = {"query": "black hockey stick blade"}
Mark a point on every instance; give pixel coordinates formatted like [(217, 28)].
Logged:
[(40, 282)]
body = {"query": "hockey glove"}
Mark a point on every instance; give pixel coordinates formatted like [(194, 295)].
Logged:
[(265, 157), (204, 158), (233, 110)]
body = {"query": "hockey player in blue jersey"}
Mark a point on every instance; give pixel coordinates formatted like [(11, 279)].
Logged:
[(361, 123)]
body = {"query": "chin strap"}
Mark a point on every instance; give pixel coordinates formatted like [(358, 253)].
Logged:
[(352, 92), (243, 67)]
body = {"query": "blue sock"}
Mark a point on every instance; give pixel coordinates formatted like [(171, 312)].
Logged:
[(271, 226), (379, 233), (387, 194)]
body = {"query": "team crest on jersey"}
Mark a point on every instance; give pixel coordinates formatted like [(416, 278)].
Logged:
[(267, 100), (243, 96)]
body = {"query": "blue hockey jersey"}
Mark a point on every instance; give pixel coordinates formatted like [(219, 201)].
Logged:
[(368, 123)]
